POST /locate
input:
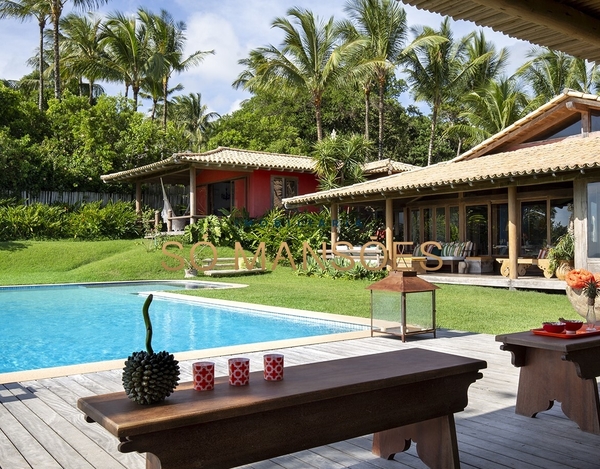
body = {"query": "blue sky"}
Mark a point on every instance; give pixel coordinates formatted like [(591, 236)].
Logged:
[(232, 28)]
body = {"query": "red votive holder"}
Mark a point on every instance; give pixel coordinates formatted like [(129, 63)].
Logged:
[(204, 376), (239, 371), (273, 363)]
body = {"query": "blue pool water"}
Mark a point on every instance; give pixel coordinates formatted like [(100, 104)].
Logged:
[(50, 326)]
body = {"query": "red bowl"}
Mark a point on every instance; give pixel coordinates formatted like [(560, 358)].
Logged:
[(573, 324), (554, 327)]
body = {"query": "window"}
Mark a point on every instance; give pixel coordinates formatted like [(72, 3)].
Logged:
[(560, 218), (593, 209), (282, 188), (477, 228), (415, 226), (500, 230), (440, 224), (454, 226), (534, 234)]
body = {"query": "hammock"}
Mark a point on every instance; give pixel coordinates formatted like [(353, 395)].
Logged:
[(176, 225)]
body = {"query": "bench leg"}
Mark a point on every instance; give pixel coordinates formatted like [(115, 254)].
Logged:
[(435, 439)]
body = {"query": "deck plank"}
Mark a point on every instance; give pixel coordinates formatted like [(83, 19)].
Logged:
[(40, 426)]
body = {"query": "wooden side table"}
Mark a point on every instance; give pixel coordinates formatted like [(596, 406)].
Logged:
[(556, 369)]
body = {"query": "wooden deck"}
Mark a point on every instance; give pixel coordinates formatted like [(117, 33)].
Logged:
[(526, 282), (40, 426)]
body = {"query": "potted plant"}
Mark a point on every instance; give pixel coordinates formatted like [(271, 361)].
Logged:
[(561, 255)]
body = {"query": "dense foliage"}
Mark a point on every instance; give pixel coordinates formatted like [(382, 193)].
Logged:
[(86, 222), (352, 87)]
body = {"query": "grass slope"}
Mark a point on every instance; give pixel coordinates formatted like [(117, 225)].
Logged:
[(464, 308)]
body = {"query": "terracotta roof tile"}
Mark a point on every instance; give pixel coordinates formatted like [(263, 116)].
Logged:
[(570, 154)]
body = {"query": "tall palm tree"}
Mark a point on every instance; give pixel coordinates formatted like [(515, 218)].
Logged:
[(81, 49), (56, 11), (492, 67), (382, 26), (438, 72), (310, 59), (167, 41), (128, 53), (23, 10), (549, 72), (189, 112), (491, 109)]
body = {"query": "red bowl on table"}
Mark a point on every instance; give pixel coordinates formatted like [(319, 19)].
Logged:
[(572, 325), (554, 327)]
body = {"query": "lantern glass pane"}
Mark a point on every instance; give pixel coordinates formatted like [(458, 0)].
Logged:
[(419, 310), (386, 306)]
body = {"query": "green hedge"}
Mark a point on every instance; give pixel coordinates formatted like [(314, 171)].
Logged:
[(88, 221)]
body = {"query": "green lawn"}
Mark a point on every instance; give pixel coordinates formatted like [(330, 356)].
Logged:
[(465, 308)]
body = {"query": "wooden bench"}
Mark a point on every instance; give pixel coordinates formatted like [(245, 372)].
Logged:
[(372, 256), (226, 267), (523, 263), (400, 396)]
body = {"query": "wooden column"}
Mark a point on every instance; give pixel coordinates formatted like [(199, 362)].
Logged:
[(513, 238), (334, 223), (192, 194), (138, 198), (389, 227)]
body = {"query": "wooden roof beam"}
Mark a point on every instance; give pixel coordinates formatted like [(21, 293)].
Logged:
[(551, 14)]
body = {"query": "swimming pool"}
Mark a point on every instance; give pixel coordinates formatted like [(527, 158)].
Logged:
[(50, 326)]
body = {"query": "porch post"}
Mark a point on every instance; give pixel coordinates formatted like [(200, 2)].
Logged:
[(334, 224), (192, 194), (389, 227), (513, 239), (138, 198)]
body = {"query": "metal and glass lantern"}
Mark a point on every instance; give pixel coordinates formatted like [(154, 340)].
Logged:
[(402, 304)]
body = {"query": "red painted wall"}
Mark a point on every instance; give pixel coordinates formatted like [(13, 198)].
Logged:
[(259, 185)]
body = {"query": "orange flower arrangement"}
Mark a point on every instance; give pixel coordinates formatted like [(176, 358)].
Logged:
[(579, 278)]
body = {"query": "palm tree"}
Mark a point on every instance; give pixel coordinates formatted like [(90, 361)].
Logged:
[(127, 48), (381, 24), (340, 159), (491, 109), (549, 72), (189, 112), (310, 60), (167, 40), (492, 67), (81, 49), (438, 71), (56, 9), (23, 10)]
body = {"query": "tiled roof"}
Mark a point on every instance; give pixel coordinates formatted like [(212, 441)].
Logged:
[(387, 166), (514, 128), (568, 155), (570, 26), (221, 157), (231, 158)]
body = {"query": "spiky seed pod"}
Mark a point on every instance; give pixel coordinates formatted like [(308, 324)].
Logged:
[(150, 377)]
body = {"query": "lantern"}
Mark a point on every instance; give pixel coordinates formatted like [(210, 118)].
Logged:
[(403, 304)]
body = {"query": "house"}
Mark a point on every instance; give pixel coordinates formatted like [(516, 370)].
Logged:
[(512, 195), (227, 178)]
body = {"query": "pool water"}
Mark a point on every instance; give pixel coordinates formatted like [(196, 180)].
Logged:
[(51, 326)]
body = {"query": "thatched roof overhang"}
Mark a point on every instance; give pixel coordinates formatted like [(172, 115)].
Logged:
[(564, 160), (571, 26)]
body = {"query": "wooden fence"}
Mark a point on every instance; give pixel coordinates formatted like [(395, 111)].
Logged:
[(151, 197)]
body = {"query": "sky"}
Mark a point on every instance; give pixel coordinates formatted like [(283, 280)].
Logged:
[(231, 28)]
